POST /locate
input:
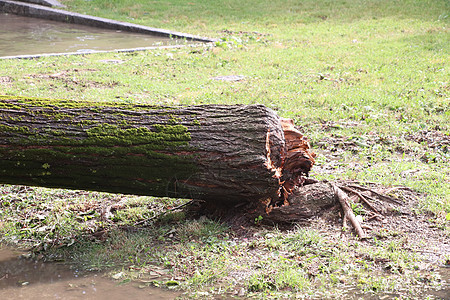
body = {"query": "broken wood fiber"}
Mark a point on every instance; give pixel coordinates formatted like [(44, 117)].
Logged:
[(217, 153)]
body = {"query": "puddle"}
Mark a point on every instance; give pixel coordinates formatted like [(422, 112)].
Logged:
[(30, 36), (444, 293), (22, 278)]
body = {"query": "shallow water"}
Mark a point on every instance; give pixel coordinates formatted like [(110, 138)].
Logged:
[(30, 36), (22, 278)]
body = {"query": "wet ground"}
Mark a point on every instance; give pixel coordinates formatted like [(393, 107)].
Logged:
[(22, 278), (30, 36)]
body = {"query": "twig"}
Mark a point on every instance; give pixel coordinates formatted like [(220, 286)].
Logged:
[(424, 251), (373, 217), (368, 227), (359, 182), (163, 213), (348, 213), (376, 193), (399, 188), (362, 197), (30, 240)]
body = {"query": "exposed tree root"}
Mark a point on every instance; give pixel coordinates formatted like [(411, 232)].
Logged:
[(348, 212), (381, 196), (318, 198), (362, 197)]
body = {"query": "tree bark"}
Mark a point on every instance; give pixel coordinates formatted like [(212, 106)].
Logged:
[(216, 153)]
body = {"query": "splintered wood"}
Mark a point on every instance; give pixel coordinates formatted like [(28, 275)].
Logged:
[(299, 158), (300, 197)]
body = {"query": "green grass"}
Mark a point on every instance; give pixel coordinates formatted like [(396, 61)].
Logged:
[(367, 82)]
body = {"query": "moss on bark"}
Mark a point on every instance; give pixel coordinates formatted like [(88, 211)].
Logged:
[(209, 152)]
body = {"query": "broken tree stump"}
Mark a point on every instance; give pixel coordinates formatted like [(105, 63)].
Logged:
[(215, 153)]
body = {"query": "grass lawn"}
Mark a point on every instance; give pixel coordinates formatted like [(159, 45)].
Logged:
[(366, 81)]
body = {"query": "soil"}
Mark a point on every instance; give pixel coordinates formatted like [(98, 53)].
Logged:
[(420, 231), (398, 222)]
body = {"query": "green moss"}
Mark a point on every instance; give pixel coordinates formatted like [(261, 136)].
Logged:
[(66, 103), (86, 122), (23, 130), (111, 151), (109, 135), (14, 118), (122, 128), (174, 120), (57, 132)]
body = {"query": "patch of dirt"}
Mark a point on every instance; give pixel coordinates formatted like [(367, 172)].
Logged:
[(75, 77), (424, 233), (389, 213), (6, 80), (436, 141), (402, 243), (397, 226), (433, 138)]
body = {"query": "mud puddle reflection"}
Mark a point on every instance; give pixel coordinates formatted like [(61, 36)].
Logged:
[(22, 278), (30, 36)]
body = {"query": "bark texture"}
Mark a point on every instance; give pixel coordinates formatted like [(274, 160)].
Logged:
[(303, 203), (211, 152)]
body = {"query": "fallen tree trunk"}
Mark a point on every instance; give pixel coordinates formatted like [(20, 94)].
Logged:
[(215, 153)]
